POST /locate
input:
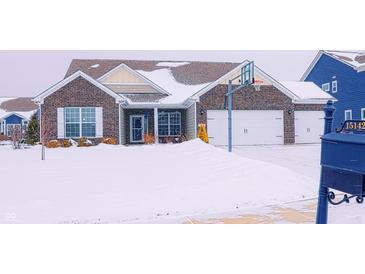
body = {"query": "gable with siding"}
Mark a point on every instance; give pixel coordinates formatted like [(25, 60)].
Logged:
[(124, 80), (350, 93)]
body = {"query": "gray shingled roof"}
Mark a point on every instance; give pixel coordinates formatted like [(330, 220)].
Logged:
[(18, 104), (353, 58), (193, 73)]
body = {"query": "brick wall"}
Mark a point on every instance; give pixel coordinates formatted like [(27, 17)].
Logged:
[(80, 93), (268, 98)]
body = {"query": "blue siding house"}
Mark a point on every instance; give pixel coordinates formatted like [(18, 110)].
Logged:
[(11, 122), (342, 74)]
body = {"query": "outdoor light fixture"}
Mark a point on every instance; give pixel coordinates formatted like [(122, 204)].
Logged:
[(290, 111), (201, 112)]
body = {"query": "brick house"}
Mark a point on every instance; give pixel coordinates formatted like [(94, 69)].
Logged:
[(127, 99)]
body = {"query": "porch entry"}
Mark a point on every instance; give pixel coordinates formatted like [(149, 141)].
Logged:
[(136, 128), (13, 129)]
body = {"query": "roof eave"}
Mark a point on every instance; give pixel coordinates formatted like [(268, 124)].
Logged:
[(361, 68), (17, 114), (314, 101), (209, 86), (311, 66), (266, 77), (319, 55), (138, 105), (277, 84), (39, 99)]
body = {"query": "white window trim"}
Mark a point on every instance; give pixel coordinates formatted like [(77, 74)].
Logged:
[(334, 84), (80, 123), (169, 124), (131, 128), (145, 124), (12, 125), (327, 85), (363, 114), (348, 111)]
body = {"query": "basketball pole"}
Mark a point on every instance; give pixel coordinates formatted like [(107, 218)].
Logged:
[(246, 78), (229, 115)]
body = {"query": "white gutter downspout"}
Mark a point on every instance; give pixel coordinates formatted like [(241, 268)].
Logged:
[(155, 118), (195, 122), (40, 131), (120, 126)]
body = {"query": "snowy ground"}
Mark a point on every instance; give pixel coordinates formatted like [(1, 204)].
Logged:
[(186, 183), (117, 184), (305, 160)]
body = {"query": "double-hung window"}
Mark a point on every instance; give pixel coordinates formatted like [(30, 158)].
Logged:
[(326, 87), (348, 114), (80, 122), (363, 114), (334, 86), (169, 124), (72, 122)]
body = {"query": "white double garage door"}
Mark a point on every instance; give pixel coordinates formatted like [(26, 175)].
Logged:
[(262, 127)]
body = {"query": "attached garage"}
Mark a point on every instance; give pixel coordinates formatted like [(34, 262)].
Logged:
[(309, 126), (249, 127), (269, 113)]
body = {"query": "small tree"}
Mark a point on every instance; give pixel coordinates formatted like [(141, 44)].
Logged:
[(202, 133), (16, 136), (32, 134)]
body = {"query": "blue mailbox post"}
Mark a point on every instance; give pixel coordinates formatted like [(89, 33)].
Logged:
[(343, 163)]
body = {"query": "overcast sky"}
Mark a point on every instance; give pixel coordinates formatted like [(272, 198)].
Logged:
[(27, 73)]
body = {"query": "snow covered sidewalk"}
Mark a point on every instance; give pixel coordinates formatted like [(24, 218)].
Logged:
[(118, 184)]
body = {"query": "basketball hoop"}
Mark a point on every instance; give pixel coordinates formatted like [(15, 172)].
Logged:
[(257, 84), (245, 78)]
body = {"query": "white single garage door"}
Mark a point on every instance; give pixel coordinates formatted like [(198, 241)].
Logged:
[(249, 127), (309, 126)]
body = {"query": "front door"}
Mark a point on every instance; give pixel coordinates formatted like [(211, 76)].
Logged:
[(136, 128)]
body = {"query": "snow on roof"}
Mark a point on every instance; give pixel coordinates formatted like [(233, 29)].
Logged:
[(185, 72), (4, 99), (179, 92), (172, 64), (353, 58), (94, 66), (306, 90), (5, 112), (25, 114)]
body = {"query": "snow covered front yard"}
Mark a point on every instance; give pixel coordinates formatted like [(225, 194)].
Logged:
[(119, 184)]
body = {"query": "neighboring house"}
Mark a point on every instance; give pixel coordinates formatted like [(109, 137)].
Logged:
[(15, 114), (127, 99), (341, 74)]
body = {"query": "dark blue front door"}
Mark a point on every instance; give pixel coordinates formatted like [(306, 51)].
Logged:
[(136, 128)]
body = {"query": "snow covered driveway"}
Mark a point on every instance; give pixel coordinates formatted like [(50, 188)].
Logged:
[(304, 159), (115, 184)]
